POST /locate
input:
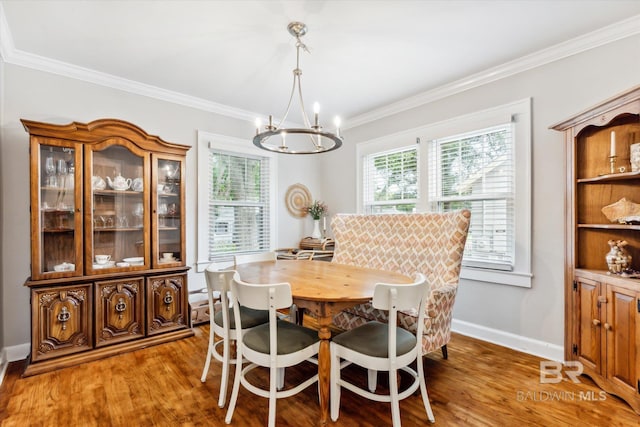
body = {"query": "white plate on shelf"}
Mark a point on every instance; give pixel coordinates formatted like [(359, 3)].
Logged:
[(138, 260), (65, 266), (166, 260), (107, 264)]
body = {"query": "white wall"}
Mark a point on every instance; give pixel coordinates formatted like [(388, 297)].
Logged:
[(558, 90), (36, 95)]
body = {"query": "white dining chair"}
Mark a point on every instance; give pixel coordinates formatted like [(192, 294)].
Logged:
[(223, 324), (381, 346), (276, 345)]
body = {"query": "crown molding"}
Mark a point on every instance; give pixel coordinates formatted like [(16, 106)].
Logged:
[(611, 33), (15, 56), (623, 29)]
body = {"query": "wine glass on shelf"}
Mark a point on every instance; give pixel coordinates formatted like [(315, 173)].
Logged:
[(62, 170), (138, 212), (162, 212), (50, 171)]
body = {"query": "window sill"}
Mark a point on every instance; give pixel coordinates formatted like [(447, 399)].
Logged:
[(512, 278)]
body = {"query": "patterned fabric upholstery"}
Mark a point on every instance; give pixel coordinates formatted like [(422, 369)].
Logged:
[(429, 243)]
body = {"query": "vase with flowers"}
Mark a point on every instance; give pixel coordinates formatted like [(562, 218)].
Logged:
[(316, 210)]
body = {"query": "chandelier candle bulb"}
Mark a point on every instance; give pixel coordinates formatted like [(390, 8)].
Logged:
[(336, 121), (258, 125), (316, 112)]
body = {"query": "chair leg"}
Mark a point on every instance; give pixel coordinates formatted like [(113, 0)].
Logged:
[(234, 393), (395, 402), (293, 314), (445, 354), (334, 386), (280, 383), (210, 351), (372, 379), (423, 389), (226, 358), (274, 378), (207, 362)]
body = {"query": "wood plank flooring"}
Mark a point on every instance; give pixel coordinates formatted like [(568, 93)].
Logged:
[(481, 384)]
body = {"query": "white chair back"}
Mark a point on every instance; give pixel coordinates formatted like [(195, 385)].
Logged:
[(260, 296), (393, 297)]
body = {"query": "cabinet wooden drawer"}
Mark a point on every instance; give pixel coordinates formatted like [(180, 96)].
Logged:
[(61, 321), (167, 304), (119, 310)]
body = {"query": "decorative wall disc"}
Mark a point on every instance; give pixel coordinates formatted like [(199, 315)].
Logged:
[(297, 199)]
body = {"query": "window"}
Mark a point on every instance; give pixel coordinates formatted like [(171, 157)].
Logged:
[(391, 181), (464, 162), (475, 171), (236, 201)]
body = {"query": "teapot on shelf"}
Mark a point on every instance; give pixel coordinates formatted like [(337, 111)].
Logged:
[(119, 183)]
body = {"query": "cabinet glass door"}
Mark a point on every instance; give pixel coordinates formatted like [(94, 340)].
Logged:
[(119, 218), (168, 221), (56, 209)]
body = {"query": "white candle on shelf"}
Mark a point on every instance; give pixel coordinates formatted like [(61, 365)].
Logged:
[(613, 143)]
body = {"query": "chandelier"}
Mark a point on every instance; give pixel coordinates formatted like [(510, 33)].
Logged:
[(312, 138)]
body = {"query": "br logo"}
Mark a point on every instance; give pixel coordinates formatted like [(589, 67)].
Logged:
[(551, 372)]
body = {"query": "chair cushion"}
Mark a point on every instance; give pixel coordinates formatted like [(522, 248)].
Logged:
[(291, 338), (372, 339), (249, 316)]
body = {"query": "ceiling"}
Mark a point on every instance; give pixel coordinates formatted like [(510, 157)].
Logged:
[(238, 54)]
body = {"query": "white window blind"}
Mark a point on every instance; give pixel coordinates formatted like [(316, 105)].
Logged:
[(476, 171), (391, 181), (238, 216)]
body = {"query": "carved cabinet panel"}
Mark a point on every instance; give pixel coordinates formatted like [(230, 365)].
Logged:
[(63, 321), (119, 310), (167, 305)]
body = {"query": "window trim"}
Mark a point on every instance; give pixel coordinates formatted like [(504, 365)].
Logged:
[(520, 112), (206, 141)]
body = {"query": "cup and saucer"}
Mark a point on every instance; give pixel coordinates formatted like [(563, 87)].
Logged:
[(103, 261), (167, 257)]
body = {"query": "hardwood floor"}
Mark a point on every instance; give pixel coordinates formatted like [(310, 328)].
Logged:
[(481, 384)]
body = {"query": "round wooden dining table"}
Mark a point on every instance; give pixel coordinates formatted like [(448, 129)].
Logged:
[(323, 289)]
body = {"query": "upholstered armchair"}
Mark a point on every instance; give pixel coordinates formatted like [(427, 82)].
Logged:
[(429, 243)]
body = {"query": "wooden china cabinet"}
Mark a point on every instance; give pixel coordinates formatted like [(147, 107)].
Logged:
[(108, 270), (602, 309)]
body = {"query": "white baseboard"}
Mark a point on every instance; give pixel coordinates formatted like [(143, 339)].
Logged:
[(12, 354), (3, 365), (506, 339), (17, 352)]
